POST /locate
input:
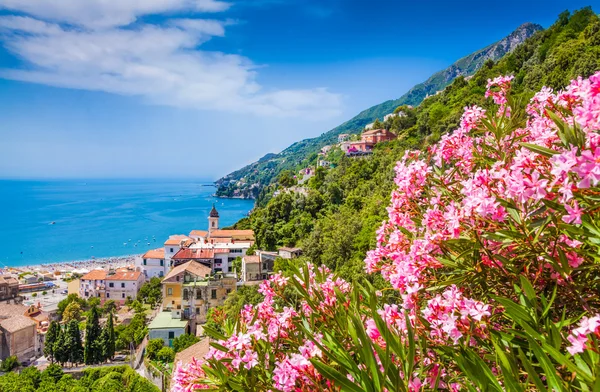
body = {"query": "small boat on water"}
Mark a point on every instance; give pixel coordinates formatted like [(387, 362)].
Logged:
[(52, 223)]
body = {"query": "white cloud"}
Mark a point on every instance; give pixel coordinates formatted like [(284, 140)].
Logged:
[(70, 47)]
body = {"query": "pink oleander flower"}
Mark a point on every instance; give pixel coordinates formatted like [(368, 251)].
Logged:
[(573, 213), (579, 336), (186, 377)]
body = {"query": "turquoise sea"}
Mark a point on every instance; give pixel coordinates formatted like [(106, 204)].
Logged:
[(101, 218)]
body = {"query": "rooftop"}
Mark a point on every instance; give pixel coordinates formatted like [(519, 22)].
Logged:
[(155, 254), (193, 253), (95, 275), (130, 275), (163, 320), (176, 239), (192, 267), (235, 234), (251, 259), (214, 213), (198, 233), (16, 323), (286, 249), (198, 351)]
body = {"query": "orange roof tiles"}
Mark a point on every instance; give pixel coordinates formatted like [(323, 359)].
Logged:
[(235, 234), (125, 276), (192, 254), (199, 233), (155, 254), (176, 239), (251, 259), (192, 267), (95, 275)]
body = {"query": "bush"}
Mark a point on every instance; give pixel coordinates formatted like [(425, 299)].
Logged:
[(489, 263), (165, 354), (9, 363), (184, 341), (153, 347)]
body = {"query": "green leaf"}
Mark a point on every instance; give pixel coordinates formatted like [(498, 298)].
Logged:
[(539, 149), (335, 376)]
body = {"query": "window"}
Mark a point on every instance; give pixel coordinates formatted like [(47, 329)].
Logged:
[(264, 266), (169, 291), (160, 273), (229, 269), (107, 295), (235, 251), (122, 285), (228, 291), (111, 285), (162, 262), (185, 294), (197, 310), (177, 278), (198, 294), (171, 335), (122, 295), (144, 261), (98, 295), (213, 294), (171, 250), (213, 223)]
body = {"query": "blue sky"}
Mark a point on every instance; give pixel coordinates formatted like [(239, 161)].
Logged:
[(198, 88)]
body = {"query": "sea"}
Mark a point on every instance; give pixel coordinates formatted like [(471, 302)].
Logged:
[(64, 221)]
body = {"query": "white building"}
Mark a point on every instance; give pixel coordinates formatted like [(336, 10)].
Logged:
[(343, 137), (122, 285), (174, 245), (92, 284), (153, 263)]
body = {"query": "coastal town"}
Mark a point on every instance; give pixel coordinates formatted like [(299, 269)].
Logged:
[(197, 272)]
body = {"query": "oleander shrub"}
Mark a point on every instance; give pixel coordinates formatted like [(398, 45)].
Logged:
[(490, 254)]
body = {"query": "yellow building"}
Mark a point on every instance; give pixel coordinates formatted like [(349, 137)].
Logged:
[(189, 291)]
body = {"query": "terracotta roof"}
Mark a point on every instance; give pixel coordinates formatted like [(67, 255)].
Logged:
[(251, 259), (286, 249), (221, 250), (375, 131), (193, 254), (222, 240), (176, 239), (235, 234), (198, 351), (7, 310), (155, 254), (11, 281), (95, 275), (133, 276), (16, 323), (192, 267), (199, 233)]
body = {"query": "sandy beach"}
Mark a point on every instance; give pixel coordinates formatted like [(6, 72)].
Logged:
[(79, 265)]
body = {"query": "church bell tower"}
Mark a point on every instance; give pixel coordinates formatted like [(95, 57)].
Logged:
[(213, 220)]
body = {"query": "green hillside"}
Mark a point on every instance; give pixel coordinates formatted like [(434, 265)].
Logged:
[(335, 224), (250, 180)]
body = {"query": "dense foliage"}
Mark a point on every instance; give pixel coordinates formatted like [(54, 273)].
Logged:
[(151, 292), (489, 254), (52, 379), (335, 224)]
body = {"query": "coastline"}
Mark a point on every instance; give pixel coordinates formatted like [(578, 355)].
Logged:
[(70, 266)]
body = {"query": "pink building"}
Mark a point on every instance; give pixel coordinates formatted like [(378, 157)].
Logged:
[(124, 284)]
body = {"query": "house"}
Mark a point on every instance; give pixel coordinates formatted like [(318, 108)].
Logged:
[(9, 287), (73, 286), (153, 263), (190, 289), (93, 284), (323, 163), (167, 328), (343, 137), (256, 268), (18, 333), (325, 149), (289, 253), (123, 285), (251, 269), (174, 244), (345, 146), (377, 136)]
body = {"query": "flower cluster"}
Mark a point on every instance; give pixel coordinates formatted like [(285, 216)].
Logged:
[(579, 337)]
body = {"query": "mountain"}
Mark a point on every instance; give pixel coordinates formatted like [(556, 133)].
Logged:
[(248, 181)]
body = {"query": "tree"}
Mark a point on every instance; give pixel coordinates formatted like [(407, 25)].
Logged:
[(31, 375), (9, 363), (151, 292), (166, 355), (73, 342), (72, 312), (109, 306), (61, 355), (92, 353), (153, 347), (377, 124), (107, 339), (62, 305), (53, 371), (51, 336), (184, 341)]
